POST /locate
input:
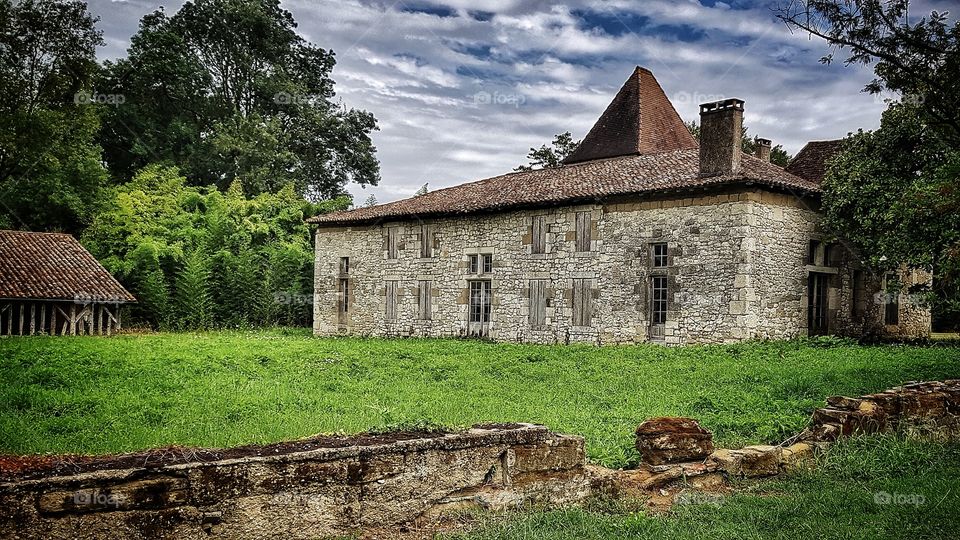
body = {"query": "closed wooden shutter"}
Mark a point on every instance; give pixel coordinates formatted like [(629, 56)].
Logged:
[(424, 295), (538, 303), (391, 312), (582, 302), (539, 235), (426, 241), (583, 231), (392, 243)]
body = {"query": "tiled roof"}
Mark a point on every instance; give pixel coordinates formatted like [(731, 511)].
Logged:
[(639, 120), (593, 180), (811, 161), (53, 266)]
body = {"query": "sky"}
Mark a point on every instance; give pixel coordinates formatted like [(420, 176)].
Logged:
[(463, 88)]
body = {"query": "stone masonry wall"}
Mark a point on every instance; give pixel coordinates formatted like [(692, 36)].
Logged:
[(316, 493), (737, 270)]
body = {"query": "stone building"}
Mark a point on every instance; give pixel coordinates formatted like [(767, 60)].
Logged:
[(642, 235)]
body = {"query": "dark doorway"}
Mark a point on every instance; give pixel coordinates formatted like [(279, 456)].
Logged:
[(817, 304)]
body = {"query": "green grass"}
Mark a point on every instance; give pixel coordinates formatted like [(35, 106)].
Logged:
[(838, 499), (94, 395)]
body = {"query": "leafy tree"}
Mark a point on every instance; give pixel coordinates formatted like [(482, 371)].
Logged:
[(547, 157), (228, 91), (893, 194), (169, 242), (918, 58), (778, 156), (50, 170), (422, 191), (371, 200)]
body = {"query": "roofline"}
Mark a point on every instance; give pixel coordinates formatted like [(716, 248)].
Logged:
[(741, 182), (70, 300)]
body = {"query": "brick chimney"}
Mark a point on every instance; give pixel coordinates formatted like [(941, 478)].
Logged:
[(721, 125), (762, 149)]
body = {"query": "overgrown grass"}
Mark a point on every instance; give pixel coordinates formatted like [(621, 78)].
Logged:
[(94, 395), (845, 497)]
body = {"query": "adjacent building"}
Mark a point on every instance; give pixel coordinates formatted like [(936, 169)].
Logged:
[(643, 234)]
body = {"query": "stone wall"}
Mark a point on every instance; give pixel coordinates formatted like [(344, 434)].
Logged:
[(737, 270), (333, 490)]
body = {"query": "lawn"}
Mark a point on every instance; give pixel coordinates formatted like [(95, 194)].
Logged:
[(95, 395), (864, 488)]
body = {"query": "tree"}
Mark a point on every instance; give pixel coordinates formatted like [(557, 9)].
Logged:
[(50, 170), (547, 157), (422, 191), (371, 200), (919, 58), (193, 292), (893, 194), (227, 90), (778, 156)]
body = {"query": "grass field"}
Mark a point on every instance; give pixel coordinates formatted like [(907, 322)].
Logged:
[(95, 395), (868, 488)]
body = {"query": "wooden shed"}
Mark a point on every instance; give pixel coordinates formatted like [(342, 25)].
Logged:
[(50, 284)]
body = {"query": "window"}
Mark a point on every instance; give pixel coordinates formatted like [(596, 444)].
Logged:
[(583, 231), (481, 264), (391, 312), (891, 305), (538, 236), (582, 302), (812, 252), (344, 265), (424, 304), (827, 255), (538, 303), (392, 251), (344, 295), (426, 241), (658, 300), (480, 292), (659, 252)]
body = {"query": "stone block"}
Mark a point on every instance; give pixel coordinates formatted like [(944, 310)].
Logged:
[(672, 440)]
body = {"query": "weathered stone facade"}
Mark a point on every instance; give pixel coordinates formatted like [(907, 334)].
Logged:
[(738, 267)]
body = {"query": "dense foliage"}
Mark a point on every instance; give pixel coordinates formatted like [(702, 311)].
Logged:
[(227, 90), (50, 170), (196, 257), (894, 194), (547, 157)]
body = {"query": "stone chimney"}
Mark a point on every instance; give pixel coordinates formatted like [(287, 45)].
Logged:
[(721, 124), (762, 149)]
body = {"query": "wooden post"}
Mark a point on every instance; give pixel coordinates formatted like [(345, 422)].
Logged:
[(33, 318), (118, 318), (95, 308), (21, 319), (73, 319), (53, 319), (43, 318), (9, 309)]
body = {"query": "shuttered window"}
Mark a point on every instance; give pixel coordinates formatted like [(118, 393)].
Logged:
[(539, 235), (582, 302), (538, 303), (391, 312), (392, 243), (426, 241), (583, 231), (424, 296)]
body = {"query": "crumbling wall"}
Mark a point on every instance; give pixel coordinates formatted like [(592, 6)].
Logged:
[(308, 494)]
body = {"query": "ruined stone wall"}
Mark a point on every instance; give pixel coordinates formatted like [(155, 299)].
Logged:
[(737, 270), (308, 494)]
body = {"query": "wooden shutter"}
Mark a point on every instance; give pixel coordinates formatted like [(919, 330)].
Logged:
[(583, 231), (391, 312), (426, 241), (392, 243), (538, 303), (424, 295), (539, 235), (582, 302)]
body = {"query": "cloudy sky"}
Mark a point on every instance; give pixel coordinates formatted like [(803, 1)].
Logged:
[(463, 88)]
